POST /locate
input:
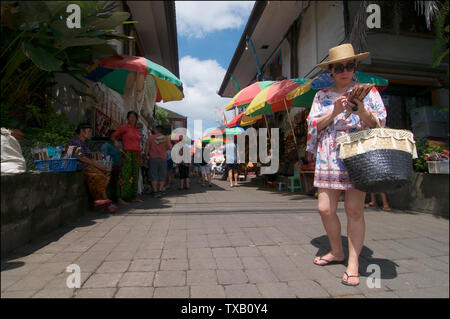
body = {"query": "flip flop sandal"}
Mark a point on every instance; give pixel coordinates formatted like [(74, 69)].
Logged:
[(348, 276), (329, 262), (102, 202), (111, 208)]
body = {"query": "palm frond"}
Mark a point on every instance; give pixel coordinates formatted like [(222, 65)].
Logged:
[(427, 8)]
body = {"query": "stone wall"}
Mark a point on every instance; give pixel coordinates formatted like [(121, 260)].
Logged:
[(35, 203), (427, 193)]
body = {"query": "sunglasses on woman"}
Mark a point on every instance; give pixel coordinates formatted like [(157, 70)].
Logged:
[(339, 68)]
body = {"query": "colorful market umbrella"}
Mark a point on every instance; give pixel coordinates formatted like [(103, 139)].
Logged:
[(323, 81), (250, 120), (245, 96), (113, 71), (236, 120), (273, 98), (243, 120), (234, 130)]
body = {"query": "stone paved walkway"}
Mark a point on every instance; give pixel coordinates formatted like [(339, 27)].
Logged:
[(222, 242)]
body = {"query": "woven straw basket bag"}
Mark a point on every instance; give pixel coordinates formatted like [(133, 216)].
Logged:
[(378, 160)]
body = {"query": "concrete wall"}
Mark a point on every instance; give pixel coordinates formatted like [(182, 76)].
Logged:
[(36, 203), (322, 27), (427, 193)]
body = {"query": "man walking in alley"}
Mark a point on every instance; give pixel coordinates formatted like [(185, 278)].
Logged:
[(156, 151), (232, 161)]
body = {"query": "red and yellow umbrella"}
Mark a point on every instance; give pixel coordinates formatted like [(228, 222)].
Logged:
[(245, 96), (274, 98)]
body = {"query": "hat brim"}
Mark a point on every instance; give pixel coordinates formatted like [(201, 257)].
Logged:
[(357, 57)]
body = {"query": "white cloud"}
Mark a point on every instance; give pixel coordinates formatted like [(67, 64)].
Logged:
[(201, 79), (198, 18)]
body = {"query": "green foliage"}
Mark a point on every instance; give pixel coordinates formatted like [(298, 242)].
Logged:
[(37, 43), (441, 49), (423, 149), (161, 115), (55, 131)]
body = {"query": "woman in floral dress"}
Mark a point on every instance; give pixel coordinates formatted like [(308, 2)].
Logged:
[(326, 121)]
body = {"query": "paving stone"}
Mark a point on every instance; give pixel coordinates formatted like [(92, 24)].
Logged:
[(200, 253), (174, 253), (271, 251), (380, 294), (224, 252), (254, 262), (199, 277), (137, 279), (165, 278), (432, 292), (120, 255), (202, 263), (30, 282), (248, 251), (103, 280), (275, 290), (307, 289), (18, 294), (8, 280), (242, 291), (229, 263), (335, 288), (171, 292), (174, 264), (207, 291), (113, 266), (54, 293), (95, 293), (68, 257), (144, 265), (260, 275), (228, 277), (135, 292)]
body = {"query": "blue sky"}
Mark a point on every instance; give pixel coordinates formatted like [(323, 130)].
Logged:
[(208, 34)]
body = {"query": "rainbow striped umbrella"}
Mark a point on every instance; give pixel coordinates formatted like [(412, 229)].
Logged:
[(273, 98), (113, 71), (243, 98)]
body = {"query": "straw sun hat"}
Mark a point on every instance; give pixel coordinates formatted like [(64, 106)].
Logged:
[(342, 53)]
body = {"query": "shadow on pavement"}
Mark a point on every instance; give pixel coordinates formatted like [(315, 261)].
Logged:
[(387, 267)]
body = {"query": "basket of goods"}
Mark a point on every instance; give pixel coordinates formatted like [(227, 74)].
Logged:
[(379, 159), (50, 159)]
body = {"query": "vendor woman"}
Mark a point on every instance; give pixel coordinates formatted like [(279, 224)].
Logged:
[(127, 188), (96, 174), (326, 121)]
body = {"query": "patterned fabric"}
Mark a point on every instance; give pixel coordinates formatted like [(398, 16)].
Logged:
[(84, 150), (97, 181), (127, 187), (330, 171)]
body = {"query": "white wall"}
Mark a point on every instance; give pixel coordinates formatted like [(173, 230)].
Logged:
[(322, 28), (286, 58)]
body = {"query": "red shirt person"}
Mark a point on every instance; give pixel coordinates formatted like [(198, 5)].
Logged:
[(131, 149), (156, 148)]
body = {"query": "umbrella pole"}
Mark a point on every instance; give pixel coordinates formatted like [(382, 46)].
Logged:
[(267, 125), (290, 123)]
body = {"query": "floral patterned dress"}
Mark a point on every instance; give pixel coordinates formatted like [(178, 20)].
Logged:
[(330, 172)]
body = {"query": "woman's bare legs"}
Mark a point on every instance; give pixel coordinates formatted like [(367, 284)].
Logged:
[(385, 202), (354, 208), (328, 202)]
